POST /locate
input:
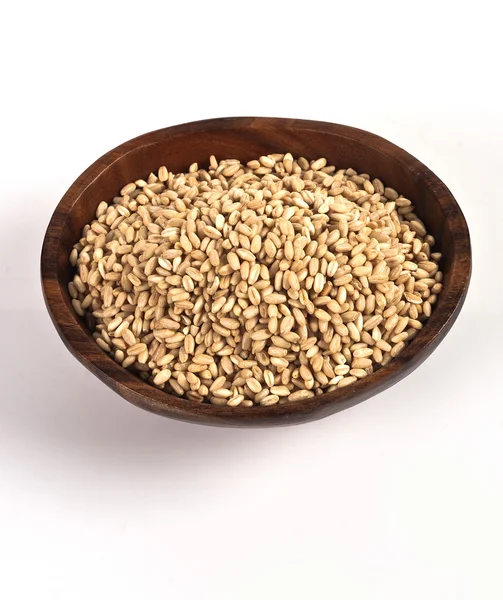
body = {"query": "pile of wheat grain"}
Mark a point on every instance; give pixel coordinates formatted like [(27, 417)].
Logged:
[(258, 283)]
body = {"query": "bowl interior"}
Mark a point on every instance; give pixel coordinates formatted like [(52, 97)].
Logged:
[(245, 139)]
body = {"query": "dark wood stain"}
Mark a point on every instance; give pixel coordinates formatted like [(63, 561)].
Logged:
[(246, 138)]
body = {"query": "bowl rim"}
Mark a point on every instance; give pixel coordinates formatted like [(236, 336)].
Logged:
[(81, 344)]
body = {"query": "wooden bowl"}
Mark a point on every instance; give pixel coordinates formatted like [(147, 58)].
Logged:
[(247, 138)]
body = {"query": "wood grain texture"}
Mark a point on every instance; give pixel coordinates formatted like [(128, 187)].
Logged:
[(247, 138)]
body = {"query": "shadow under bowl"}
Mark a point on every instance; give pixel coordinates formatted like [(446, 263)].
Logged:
[(247, 138)]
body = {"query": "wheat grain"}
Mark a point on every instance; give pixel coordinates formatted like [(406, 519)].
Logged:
[(257, 283)]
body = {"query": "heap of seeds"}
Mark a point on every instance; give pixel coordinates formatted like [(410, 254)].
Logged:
[(255, 284)]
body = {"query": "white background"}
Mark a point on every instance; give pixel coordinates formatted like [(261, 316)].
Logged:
[(400, 497)]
